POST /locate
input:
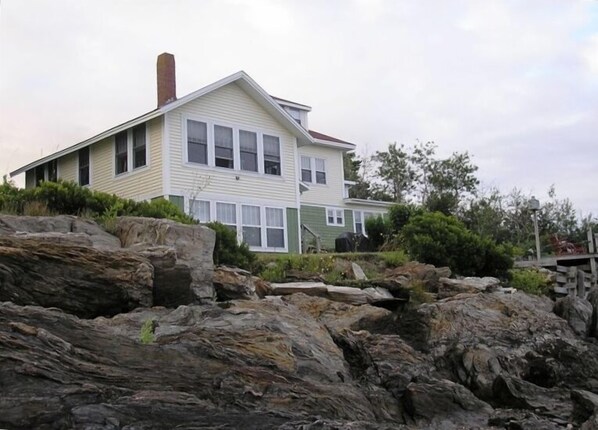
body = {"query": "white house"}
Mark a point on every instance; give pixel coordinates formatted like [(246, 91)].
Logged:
[(228, 152)]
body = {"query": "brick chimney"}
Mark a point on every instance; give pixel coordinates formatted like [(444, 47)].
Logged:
[(166, 79)]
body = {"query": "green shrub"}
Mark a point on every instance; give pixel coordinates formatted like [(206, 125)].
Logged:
[(378, 230), (442, 240), (530, 281), (227, 250), (394, 258), (146, 335)]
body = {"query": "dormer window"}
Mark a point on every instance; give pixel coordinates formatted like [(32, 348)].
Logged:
[(295, 114)]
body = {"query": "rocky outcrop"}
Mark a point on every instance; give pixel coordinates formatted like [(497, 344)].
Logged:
[(193, 245), (577, 312), (81, 280), (413, 272), (66, 229), (451, 287), (233, 283)]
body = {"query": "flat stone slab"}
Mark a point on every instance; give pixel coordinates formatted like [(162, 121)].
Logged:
[(318, 289)]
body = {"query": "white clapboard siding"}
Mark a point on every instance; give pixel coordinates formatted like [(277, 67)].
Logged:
[(141, 184), (230, 106), (330, 194)]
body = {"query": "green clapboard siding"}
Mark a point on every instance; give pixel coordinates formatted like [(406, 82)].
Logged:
[(179, 201), (293, 230), (315, 218)]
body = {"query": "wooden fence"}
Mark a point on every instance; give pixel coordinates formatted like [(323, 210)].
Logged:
[(573, 281)]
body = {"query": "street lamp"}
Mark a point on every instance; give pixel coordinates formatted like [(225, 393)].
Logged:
[(534, 205)]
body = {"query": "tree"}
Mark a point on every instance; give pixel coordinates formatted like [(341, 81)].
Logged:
[(396, 172), (449, 181), (353, 167)]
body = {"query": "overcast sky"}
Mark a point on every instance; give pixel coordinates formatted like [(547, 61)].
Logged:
[(515, 83)]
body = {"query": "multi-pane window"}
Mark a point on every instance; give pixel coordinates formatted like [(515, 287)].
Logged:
[(313, 170), (233, 148), (84, 166), (40, 172), (121, 153), (53, 171), (271, 155), (226, 213), (305, 169), (252, 231), (320, 170), (139, 153), (223, 147), (335, 216), (360, 218), (275, 228), (197, 142), (200, 210), (248, 149)]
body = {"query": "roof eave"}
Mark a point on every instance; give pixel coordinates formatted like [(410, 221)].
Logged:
[(377, 203)]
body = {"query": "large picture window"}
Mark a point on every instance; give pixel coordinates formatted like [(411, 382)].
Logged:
[(197, 142)]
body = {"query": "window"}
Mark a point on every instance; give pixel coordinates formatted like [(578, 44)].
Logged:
[(295, 114), (359, 226), (226, 213), (121, 153), (197, 142), (275, 228), (223, 147), (248, 148), (360, 218), (200, 210), (40, 174), (252, 231), (271, 155), (320, 171), (313, 170), (305, 169), (233, 148), (335, 217), (84, 166), (139, 146), (53, 171)]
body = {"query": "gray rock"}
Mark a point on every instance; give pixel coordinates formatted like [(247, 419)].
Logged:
[(592, 298), (233, 283), (444, 404), (358, 272), (451, 287), (194, 245), (54, 225), (577, 312), (81, 280), (585, 409), (310, 288)]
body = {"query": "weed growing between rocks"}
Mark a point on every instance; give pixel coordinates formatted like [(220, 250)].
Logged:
[(146, 335)]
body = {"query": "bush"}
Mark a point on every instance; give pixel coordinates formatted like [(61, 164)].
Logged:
[(378, 230), (442, 240), (394, 258), (227, 250), (530, 281), (146, 335)]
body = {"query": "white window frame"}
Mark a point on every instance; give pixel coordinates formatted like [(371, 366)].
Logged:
[(211, 161), (130, 153), (312, 168), (363, 218), (88, 167), (239, 220), (335, 212), (196, 216)]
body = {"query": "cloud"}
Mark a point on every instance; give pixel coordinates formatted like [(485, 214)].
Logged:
[(513, 83)]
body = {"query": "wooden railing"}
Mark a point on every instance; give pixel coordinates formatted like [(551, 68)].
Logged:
[(304, 243)]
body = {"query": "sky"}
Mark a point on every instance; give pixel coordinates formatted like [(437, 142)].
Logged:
[(514, 83)]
